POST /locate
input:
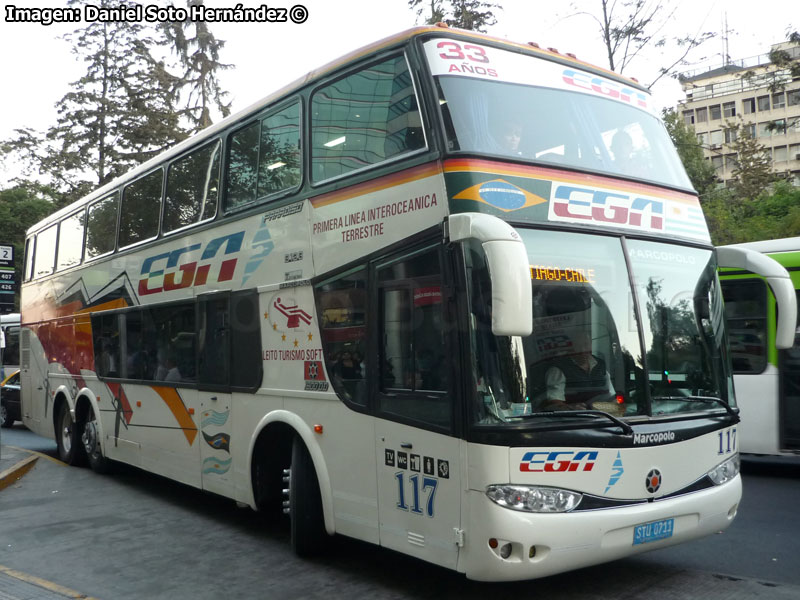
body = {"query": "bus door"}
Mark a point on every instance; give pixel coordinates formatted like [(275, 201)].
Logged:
[(419, 487), (214, 397), (789, 386)]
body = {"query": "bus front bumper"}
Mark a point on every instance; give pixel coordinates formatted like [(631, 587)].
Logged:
[(546, 544)]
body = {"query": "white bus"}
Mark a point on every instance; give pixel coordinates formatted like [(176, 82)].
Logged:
[(371, 301), (767, 378), (9, 348)]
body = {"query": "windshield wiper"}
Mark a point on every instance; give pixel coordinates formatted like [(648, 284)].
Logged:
[(626, 429), (713, 399)]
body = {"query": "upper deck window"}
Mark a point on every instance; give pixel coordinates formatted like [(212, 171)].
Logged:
[(141, 209), (364, 119), (529, 109), (265, 158), (101, 226), (45, 251), (192, 188), (70, 241)]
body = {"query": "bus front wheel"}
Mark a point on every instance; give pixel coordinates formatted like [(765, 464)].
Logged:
[(308, 534)]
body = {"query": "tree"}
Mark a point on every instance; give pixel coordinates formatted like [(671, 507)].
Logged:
[(198, 52), (753, 171), (475, 15), (20, 207), (124, 110), (627, 27), (700, 171)]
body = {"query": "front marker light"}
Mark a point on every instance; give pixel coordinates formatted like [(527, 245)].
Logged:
[(533, 498), (725, 471)]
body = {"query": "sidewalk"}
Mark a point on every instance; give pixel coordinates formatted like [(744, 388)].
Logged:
[(14, 463)]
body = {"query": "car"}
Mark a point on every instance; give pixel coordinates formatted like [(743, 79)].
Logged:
[(9, 400)]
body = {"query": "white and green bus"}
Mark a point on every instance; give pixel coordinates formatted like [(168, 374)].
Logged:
[(766, 371), (450, 294)]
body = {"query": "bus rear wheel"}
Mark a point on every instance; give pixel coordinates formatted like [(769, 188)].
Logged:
[(308, 534), (90, 438), (67, 438)]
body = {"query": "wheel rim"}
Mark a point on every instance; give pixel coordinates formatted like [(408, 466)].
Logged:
[(89, 438), (66, 431)]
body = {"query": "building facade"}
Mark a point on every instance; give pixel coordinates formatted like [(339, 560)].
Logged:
[(758, 94)]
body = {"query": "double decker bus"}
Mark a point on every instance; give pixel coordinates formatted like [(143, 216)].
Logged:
[(766, 369), (375, 302)]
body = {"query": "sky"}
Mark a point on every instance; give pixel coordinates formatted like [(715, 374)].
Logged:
[(37, 67)]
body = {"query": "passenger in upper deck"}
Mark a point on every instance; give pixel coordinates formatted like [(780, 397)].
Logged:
[(622, 149)]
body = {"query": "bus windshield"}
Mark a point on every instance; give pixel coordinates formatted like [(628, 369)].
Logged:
[(592, 316), (522, 114)]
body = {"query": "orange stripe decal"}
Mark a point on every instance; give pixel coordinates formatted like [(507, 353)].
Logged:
[(360, 189), (173, 401)]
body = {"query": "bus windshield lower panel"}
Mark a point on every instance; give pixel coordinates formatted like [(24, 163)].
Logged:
[(647, 340)]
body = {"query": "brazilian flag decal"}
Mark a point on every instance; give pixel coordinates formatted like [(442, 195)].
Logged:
[(501, 195)]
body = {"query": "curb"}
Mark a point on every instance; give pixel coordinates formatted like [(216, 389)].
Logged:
[(15, 472)]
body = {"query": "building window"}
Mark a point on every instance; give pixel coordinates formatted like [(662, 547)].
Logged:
[(701, 115), (716, 112), (716, 161), (716, 137), (764, 130), (731, 162), (794, 152), (779, 153), (730, 136), (749, 105), (763, 103), (729, 109), (778, 100), (751, 129), (702, 139), (688, 117), (793, 97), (794, 125)]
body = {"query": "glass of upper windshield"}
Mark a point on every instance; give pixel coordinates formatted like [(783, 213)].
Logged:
[(584, 352), (512, 105), (683, 326)]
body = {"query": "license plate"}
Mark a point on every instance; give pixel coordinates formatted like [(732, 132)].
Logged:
[(652, 532)]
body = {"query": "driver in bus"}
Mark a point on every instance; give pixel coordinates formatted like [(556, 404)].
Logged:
[(573, 381)]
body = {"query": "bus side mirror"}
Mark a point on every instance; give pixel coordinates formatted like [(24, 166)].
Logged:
[(778, 280), (509, 270)]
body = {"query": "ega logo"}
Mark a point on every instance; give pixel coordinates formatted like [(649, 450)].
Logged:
[(559, 461)]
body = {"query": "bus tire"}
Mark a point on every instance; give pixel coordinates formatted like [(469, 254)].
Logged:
[(90, 440), (308, 534), (67, 438)]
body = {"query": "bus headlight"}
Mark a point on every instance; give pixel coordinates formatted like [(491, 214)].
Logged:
[(725, 471), (536, 499)]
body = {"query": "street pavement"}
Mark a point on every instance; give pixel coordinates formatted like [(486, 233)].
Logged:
[(95, 504), (16, 585)]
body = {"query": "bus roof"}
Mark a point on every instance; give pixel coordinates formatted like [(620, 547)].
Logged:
[(791, 244), (317, 74)]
